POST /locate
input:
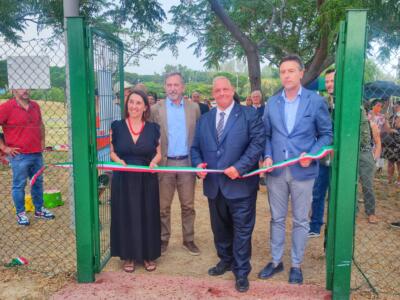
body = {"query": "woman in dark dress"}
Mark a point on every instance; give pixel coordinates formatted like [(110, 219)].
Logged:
[(135, 206)]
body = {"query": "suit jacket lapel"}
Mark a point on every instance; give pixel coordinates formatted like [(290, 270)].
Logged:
[(212, 124), (188, 116), (163, 119), (231, 120), (304, 101)]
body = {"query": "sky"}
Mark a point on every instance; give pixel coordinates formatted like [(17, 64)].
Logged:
[(157, 63), (185, 57)]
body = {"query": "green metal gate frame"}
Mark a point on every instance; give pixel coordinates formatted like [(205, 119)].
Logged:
[(341, 214), (90, 259), (343, 187), (101, 258)]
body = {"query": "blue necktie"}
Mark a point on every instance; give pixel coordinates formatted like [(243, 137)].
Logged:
[(220, 125)]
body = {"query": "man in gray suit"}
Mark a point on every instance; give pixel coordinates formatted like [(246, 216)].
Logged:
[(297, 122), (177, 119)]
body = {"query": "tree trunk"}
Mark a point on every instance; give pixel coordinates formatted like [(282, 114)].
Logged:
[(250, 48), (321, 59), (253, 65)]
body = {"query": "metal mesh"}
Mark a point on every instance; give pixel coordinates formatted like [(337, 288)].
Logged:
[(377, 240), (107, 72), (49, 245)]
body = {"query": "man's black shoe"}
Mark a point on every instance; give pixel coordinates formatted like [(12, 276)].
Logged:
[(219, 269), (295, 276), (395, 225), (242, 284), (269, 270)]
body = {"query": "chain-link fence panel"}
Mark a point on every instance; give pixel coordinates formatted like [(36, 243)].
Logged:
[(377, 236), (107, 71), (36, 128)]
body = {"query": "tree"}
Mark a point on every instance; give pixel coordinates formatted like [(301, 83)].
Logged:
[(137, 22), (262, 30)]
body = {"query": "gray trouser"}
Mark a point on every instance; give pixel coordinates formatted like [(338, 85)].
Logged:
[(279, 189), (366, 171)]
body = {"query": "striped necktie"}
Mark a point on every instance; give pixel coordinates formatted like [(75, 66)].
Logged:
[(220, 125)]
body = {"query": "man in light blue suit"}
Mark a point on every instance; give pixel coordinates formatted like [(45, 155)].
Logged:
[(230, 137), (297, 122)]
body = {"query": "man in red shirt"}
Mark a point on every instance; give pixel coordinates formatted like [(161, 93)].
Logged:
[(24, 135)]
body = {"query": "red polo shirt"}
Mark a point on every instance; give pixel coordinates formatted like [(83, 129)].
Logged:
[(22, 127)]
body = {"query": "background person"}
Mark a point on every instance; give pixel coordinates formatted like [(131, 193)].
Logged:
[(135, 204), (391, 146), (321, 184), (249, 102), (257, 102), (196, 99), (152, 96), (24, 134)]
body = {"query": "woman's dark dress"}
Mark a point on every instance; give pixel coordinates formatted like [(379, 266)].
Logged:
[(135, 204)]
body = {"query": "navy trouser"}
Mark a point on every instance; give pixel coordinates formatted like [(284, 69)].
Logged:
[(318, 203), (232, 223)]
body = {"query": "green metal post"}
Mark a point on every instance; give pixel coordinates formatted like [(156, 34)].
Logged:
[(93, 149), (82, 157), (333, 182), (347, 123)]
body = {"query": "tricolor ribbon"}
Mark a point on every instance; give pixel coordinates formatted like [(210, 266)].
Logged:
[(18, 261), (112, 166)]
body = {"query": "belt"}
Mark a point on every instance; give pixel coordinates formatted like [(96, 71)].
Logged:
[(178, 157)]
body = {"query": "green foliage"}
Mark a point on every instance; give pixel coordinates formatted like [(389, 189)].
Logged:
[(57, 77), (54, 94), (3, 74), (137, 22), (278, 27)]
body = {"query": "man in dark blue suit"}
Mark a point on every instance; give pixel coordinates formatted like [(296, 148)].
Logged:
[(230, 137)]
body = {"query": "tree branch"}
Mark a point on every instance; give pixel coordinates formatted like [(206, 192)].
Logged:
[(244, 41)]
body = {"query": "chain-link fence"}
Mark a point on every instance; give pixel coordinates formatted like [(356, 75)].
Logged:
[(377, 236), (37, 66), (107, 70)]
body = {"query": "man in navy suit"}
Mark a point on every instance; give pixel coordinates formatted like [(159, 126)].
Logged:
[(296, 122), (230, 137)]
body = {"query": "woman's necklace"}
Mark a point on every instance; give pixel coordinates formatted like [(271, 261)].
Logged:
[(134, 132)]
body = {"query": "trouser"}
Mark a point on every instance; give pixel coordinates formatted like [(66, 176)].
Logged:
[(366, 171), (24, 166), (300, 192), (232, 223), (318, 201), (184, 183)]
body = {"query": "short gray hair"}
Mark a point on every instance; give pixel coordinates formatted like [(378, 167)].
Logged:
[(256, 92), (220, 78)]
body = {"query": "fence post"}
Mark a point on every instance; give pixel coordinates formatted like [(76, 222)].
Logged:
[(348, 92), (82, 160), (121, 77)]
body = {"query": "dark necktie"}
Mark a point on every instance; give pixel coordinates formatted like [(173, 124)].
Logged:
[(220, 125)]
